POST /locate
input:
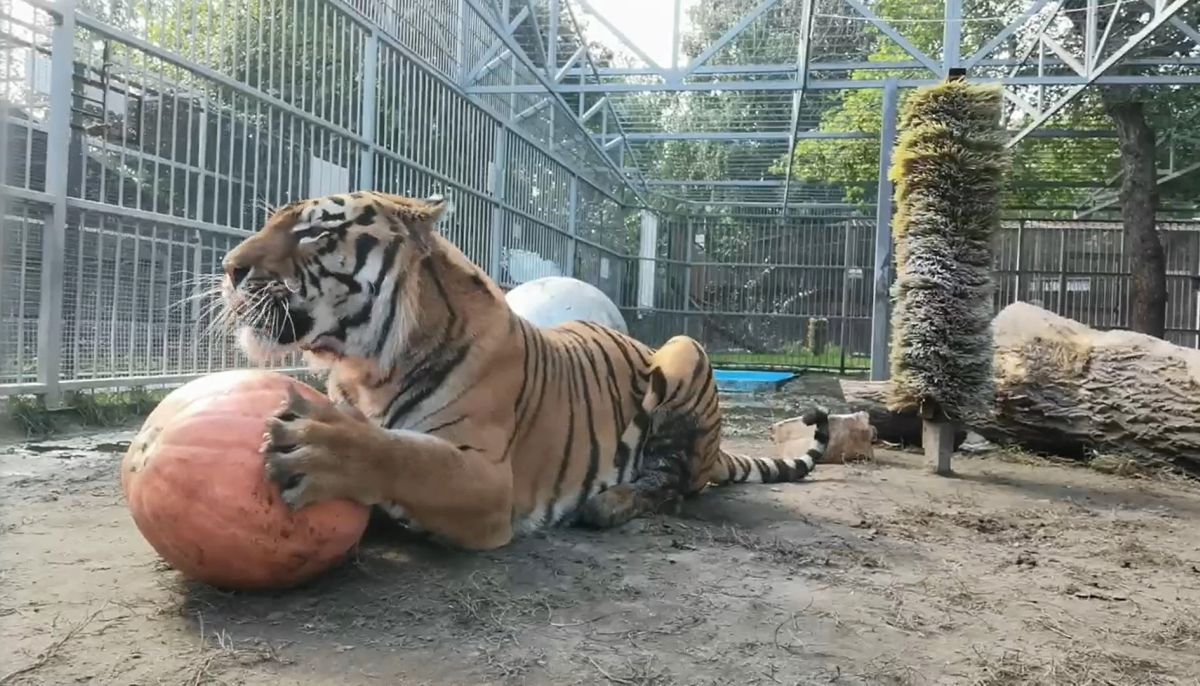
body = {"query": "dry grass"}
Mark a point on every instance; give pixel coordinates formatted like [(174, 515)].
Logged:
[(485, 604), (778, 550), (640, 672), (1074, 666), (1131, 552), (1180, 630), (219, 651), (52, 649)]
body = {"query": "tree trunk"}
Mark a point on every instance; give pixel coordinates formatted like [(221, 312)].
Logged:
[(1139, 205), (903, 428)]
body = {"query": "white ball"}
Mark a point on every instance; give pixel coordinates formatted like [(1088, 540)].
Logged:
[(552, 300)]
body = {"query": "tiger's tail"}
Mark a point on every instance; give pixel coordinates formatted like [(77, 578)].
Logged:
[(740, 468)]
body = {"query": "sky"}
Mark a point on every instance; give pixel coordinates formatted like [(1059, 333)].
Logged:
[(647, 24)]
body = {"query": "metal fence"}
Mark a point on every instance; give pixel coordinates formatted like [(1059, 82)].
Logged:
[(1080, 269), (797, 292), (143, 140)]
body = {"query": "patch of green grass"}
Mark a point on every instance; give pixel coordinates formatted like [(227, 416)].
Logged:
[(29, 413), (90, 409), (97, 409), (795, 358), (114, 408)]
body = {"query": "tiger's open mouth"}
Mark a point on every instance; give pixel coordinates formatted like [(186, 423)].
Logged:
[(264, 312)]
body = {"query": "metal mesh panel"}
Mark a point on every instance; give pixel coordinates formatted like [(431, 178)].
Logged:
[(751, 287), (187, 121), (20, 291), (24, 94), (1081, 270)]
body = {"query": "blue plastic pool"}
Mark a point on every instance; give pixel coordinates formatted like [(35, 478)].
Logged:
[(746, 381)]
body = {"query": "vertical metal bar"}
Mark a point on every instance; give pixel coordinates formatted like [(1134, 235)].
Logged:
[(952, 37), (552, 39), (883, 235), (1089, 48), (807, 10), (54, 238), (1019, 267), (499, 181), (1062, 271), (366, 159), (675, 31), (198, 300), (690, 235), (846, 261), (1196, 287), (572, 223), (166, 303)]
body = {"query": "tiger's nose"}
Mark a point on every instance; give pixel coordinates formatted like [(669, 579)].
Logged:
[(236, 274)]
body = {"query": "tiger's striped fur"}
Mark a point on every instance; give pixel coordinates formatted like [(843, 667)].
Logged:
[(454, 413)]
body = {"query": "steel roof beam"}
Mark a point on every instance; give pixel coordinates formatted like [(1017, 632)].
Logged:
[(727, 37), (851, 65), (802, 46), (889, 31), (1163, 11), (546, 85), (847, 84)]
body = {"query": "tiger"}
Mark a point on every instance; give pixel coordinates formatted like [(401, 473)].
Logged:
[(452, 413)]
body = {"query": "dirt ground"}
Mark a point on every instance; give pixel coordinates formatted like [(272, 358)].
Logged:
[(1016, 571)]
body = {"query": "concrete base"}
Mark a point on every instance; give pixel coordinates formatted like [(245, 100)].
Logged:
[(938, 440)]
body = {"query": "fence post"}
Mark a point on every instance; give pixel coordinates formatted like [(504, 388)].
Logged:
[(1019, 267), (688, 255), (880, 304), (843, 324), (1062, 272), (54, 236), (370, 113), (647, 261), (460, 44), (572, 225), (498, 182)]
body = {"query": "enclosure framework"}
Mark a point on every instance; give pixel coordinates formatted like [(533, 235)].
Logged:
[(142, 142)]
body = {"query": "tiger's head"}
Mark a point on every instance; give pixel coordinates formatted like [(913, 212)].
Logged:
[(309, 280)]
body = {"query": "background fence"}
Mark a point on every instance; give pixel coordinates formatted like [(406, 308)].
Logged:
[(141, 143), (761, 291)]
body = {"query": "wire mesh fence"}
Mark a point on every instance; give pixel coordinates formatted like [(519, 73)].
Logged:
[(797, 292), (177, 126)]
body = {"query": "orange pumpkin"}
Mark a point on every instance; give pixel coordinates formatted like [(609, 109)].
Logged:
[(196, 486)]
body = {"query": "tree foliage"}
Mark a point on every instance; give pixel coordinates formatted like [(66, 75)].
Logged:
[(1046, 172)]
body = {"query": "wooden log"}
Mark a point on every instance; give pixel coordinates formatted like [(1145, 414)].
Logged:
[(850, 438), (1065, 388), (903, 428), (817, 336)]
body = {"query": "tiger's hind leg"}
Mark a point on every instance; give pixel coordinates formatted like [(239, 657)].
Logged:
[(656, 488), (671, 441)]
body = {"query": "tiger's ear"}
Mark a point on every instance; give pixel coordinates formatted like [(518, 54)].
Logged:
[(432, 210), (417, 214), (416, 218)]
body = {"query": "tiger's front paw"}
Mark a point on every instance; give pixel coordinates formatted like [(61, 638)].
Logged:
[(311, 451)]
